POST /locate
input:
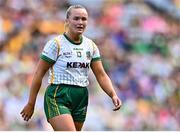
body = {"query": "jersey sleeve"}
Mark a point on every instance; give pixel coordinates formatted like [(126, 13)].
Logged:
[(96, 54), (50, 51)]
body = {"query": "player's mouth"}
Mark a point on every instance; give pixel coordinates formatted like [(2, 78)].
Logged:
[(80, 28)]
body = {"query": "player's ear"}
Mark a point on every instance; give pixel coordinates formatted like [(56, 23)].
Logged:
[(66, 24), (66, 21)]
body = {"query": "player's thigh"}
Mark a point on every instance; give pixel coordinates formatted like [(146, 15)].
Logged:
[(78, 125), (62, 122)]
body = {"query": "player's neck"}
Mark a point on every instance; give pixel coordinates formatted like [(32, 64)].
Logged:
[(73, 37)]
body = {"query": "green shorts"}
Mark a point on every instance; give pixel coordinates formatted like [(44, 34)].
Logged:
[(66, 99)]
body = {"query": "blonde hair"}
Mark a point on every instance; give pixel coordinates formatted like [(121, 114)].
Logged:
[(68, 12)]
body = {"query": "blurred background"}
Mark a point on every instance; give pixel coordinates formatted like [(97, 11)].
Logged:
[(139, 41)]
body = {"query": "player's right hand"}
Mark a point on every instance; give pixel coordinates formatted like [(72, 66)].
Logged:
[(117, 103), (27, 112)]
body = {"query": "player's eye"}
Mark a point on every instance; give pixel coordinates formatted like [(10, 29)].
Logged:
[(76, 18), (80, 18), (84, 18)]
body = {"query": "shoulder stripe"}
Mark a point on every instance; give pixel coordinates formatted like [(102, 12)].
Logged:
[(52, 68), (58, 44), (93, 45)]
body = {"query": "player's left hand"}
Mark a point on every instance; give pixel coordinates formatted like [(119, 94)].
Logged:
[(117, 103)]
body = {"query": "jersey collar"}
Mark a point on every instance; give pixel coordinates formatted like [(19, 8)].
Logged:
[(70, 40)]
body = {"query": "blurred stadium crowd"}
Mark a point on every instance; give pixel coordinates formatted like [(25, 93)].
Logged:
[(139, 41)]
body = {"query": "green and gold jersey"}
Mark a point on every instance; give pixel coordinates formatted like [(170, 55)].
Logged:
[(71, 62)]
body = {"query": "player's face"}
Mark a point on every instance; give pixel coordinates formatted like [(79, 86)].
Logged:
[(77, 21)]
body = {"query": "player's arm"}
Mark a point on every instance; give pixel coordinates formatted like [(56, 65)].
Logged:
[(105, 82), (40, 71)]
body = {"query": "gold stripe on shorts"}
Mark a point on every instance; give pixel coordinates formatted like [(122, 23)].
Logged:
[(57, 109)]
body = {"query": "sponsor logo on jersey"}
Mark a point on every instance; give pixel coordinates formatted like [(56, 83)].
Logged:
[(77, 48), (78, 65), (67, 54)]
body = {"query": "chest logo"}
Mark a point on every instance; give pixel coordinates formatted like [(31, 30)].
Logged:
[(78, 65)]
